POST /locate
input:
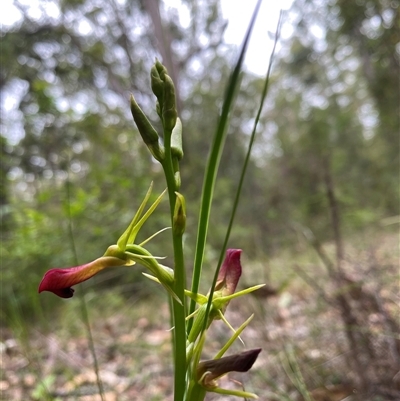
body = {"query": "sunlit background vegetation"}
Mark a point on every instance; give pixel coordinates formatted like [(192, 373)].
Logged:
[(323, 181)]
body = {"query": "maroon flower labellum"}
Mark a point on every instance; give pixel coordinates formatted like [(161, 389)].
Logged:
[(60, 281)]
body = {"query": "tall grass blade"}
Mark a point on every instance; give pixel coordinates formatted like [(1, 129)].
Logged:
[(245, 164), (214, 161), (294, 373)]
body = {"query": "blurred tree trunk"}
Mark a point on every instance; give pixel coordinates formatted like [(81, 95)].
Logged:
[(163, 43)]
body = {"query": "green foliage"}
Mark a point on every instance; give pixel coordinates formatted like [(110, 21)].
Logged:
[(327, 118), (25, 256)]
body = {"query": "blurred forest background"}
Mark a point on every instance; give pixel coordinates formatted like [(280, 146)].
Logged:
[(323, 179)]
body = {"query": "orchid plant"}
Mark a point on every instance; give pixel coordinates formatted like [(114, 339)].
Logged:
[(193, 377)]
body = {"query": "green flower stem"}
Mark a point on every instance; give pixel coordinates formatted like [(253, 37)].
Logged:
[(179, 311)]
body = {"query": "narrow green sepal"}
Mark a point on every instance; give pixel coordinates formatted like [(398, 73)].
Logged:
[(138, 220), (235, 335), (154, 235), (129, 234), (192, 315), (219, 302), (152, 278), (223, 318), (237, 393)]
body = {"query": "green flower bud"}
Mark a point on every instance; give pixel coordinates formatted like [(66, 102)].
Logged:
[(157, 84), (169, 112), (147, 131), (161, 69), (179, 221), (164, 89)]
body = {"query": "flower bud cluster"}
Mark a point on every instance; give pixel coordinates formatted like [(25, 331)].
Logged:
[(164, 89), (170, 152)]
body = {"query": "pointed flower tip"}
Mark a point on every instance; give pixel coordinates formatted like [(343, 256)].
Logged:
[(60, 281)]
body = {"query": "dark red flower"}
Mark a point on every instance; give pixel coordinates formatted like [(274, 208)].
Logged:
[(209, 371), (230, 272), (60, 281)]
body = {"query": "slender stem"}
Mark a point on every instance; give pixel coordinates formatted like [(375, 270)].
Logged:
[(179, 333), (84, 310)]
